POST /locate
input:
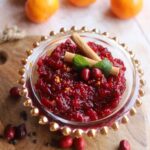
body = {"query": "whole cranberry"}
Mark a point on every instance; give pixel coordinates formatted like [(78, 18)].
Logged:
[(124, 145), (9, 132), (85, 74), (14, 92), (66, 142), (96, 73), (21, 131), (79, 143)]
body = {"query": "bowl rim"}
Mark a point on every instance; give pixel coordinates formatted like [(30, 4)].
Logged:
[(91, 125)]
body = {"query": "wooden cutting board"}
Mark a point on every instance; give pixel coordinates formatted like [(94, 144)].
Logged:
[(10, 56)]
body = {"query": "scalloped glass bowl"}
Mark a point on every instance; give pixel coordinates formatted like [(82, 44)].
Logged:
[(118, 50)]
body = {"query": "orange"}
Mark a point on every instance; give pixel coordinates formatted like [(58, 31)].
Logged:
[(125, 9), (40, 10), (82, 3)]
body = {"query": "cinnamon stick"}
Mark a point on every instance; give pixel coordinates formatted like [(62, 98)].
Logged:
[(79, 41), (84, 47), (69, 58)]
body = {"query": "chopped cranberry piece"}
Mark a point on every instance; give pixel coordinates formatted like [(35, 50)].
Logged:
[(92, 114), (104, 93), (48, 103), (105, 112), (78, 117), (76, 103)]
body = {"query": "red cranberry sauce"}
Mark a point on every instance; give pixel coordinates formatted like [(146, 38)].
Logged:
[(63, 91)]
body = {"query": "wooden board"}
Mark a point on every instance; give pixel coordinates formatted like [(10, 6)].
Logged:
[(10, 109)]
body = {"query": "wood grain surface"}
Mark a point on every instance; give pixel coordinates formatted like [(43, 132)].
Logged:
[(135, 131)]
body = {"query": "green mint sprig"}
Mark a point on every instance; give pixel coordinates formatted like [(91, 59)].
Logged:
[(80, 62), (105, 65)]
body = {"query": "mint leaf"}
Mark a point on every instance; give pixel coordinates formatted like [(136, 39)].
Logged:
[(105, 65), (80, 62)]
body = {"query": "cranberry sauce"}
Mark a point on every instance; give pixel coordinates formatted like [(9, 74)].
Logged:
[(84, 95)]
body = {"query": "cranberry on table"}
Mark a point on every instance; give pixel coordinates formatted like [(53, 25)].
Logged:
[(21, 131), (124, 145), (66, 142), (79, 143), (85, 74), (96, 73), (14, 92), (9, 132)]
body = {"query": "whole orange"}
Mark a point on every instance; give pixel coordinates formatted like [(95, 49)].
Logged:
[(82, 3), (125, 9), (40, 10)]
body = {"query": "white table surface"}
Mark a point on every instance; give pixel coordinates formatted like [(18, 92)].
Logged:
[(135, 32)]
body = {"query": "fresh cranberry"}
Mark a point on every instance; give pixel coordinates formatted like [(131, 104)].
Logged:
[(9, 132), (66, 142), (114, 103), (21, 131), (76, 103), (104, 93), (15, 92), (105, 112), (79, 143), (85, 74), (96, 73), (78, 117), (124, 145)]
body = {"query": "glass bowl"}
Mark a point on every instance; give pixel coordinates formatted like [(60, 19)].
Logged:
[(130, 99)]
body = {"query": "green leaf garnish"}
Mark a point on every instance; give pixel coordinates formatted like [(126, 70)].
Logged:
[(80, 62), (105, 65)]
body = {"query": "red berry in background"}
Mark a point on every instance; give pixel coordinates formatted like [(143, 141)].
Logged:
[(14, 92), (85, 74), (124, 145), (9, 132), (79, 143), (66, 142), (96, 73), (21, 131)]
